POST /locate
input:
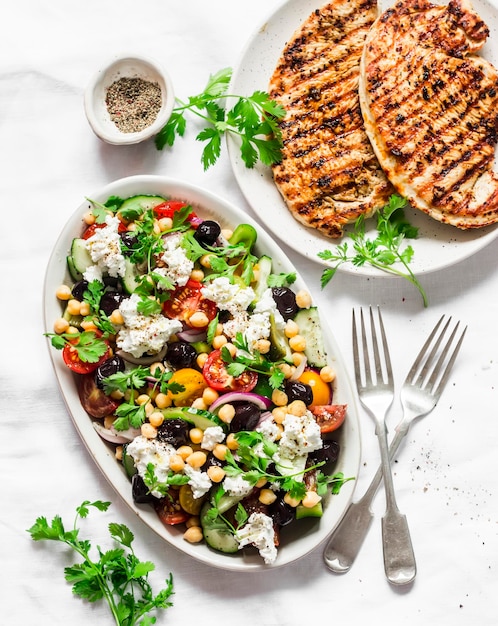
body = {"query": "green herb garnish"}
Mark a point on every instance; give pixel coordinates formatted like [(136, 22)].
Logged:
[(118, 576), (87, 345), (253, 119), (383, 251)]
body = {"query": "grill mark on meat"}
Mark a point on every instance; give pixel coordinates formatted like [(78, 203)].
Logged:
[(328, 175), (437, 142)]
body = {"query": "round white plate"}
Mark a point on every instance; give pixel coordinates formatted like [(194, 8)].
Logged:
[(437, 245), (296, 540)]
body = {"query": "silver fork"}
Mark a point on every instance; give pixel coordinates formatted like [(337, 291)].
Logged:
[(420, 393), (376, 393)]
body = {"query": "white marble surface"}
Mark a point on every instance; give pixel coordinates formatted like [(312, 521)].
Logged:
[(446, 475)]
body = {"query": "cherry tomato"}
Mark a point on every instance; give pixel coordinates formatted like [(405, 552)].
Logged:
[(193, 383), (169, 510), (91, 230), (321, 390), (95, 402), (217, 376), (186, 300), (329, 417), (170, 207), (73, 361)]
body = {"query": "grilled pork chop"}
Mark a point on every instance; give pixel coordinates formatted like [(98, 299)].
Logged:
[(430, 107), (328, 175)]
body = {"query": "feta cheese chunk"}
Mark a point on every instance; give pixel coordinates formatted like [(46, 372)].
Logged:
[(259, 532), (145, 451), (212, 435), (198, 481), (228, 297), (178, 265), (104, 247), (143, 334), (301, 435), (236, 486)]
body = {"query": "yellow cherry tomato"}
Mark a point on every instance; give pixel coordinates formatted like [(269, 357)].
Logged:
[(193, 384), (321, 390)]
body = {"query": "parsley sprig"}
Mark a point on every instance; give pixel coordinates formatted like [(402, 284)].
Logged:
[(253, 119), (384, 251), (117, 575), (128, 413), (244, 360), (87, 345)]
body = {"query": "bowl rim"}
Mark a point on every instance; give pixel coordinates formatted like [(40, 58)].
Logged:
[(119, 66)]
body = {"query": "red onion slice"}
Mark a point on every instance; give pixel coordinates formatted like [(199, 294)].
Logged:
[(116, 436), (192, 335), (143, 360), (239, 396)]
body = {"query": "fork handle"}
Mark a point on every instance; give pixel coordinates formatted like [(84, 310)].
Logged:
[(346, 540)]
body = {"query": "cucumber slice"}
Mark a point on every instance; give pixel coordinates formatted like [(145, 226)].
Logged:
[(74, 320), (280, 349), (140, 203), (310, 328), (129, 280), (314, 511), (217, 534), (265, 266), (80, 257), (198, 417), (73, 272), (128, 463)]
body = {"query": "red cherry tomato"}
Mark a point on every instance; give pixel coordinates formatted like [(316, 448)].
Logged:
[(217, 376), (169, 510), (329, 417), (72, 360), (90, 231), (170, 207), (186, 300)]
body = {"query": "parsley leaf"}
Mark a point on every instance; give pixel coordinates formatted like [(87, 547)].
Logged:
[(87, 345), (383, 251), (118, 576), (253, 119)]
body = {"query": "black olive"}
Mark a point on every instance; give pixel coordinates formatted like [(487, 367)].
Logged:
[(296, 390), (328, 453), (207, 232), (79, 289), (285, 299), (111, 301), (174, 431), (181, 354), (107, 368), (213, 461), (281, 513), (246, 417), (139, 490), (129, 240)]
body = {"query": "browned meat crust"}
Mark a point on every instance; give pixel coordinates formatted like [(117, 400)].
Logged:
[(328, 175), (431, 109)]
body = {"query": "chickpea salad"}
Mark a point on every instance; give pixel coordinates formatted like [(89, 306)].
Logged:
[(204, 369)]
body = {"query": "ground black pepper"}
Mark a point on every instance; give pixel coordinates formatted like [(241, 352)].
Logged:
[(133, 103)]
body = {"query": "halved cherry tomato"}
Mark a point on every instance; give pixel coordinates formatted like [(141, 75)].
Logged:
[(217, 376), (169, 510), (186, 300), (170, 207), (329, 417), (90, 231), (95, 402), (322, 392), (193, 383), (73, 361)]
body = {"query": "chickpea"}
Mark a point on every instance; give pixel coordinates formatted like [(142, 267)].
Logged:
[(176, 463), (193, 534), (63, 292), (297, 343), (279, 414), (199, 403), (199, 319), (303, 299), (216, 473), (61, 326), (279, 397), (327, 374), (201, 359), (311, 499), (196, 435), (89, 218), (226, 413), (73, 306), (291, 501), (84, 309), (267, 496), (116, 318), (297, 408), (231, 442), (219, 341), (291, 329), (165, 223), (162, 401), (196, 459), (209, 395), (156, 419), (184, 452), (220, 451), (197, 275), (148, 431)]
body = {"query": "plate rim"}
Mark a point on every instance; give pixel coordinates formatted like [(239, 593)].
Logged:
[(102, 453)]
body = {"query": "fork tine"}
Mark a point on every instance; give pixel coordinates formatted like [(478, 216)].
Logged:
[(387, 358), (364, 346), (419, 361), (356, 356), (437, 390)]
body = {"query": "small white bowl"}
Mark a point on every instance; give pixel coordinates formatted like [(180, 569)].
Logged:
[(95, 98)]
